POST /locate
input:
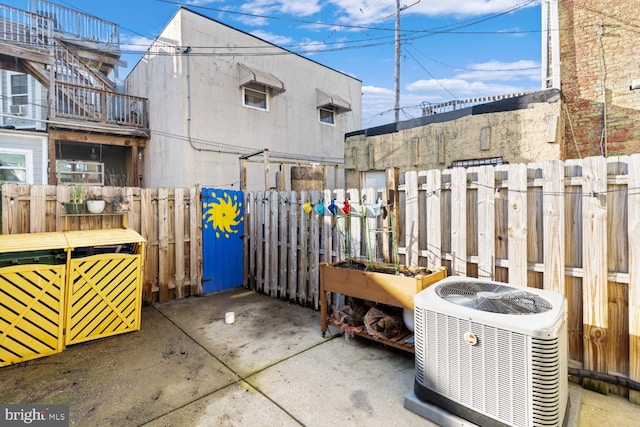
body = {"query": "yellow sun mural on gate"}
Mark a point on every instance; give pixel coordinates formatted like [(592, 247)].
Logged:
[(224, 214)]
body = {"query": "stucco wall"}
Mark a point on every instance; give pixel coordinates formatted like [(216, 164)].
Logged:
[(521, 135), (221, 128), (599, 48)]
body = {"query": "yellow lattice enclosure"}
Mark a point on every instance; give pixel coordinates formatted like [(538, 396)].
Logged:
[(31, 312), (104, 292), (104, 296), (32, 296), (54, 291)]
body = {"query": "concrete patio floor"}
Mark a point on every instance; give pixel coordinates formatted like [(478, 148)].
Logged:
[(272, 367)]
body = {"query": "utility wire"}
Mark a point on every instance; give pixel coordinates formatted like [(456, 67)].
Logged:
[(431, 75)]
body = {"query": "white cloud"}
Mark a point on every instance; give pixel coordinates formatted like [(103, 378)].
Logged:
[(198, 2), (271, 7), (134, 43), (309, 47), (442, 90), (370, 11), (272, 38), (502, 71)]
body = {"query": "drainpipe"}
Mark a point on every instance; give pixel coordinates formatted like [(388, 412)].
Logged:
[(186, 52)]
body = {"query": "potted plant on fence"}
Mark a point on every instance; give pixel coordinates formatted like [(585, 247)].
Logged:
[(76, 200), (96, 204), (120, 204)]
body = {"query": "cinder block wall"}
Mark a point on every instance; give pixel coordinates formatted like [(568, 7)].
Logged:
[(600, 56)]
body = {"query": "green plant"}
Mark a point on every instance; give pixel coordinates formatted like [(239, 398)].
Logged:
[(76, 194)]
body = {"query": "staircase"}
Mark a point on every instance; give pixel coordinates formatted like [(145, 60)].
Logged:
[(72, 54)]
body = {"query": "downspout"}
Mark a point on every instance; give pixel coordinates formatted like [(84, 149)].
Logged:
[(186, 52)]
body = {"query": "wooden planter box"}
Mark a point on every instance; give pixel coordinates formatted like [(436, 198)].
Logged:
[(384, 288)]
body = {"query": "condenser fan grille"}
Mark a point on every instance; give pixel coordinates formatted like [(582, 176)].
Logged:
[(493, 298)]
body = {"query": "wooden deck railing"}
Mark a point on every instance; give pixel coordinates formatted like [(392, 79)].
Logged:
[(71, 69), (75, 24), (30, 29), (80, 102)]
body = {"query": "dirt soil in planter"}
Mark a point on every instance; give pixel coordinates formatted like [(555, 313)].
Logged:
[(378, 267)]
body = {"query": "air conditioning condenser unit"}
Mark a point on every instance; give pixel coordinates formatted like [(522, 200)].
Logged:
[(491, 353)]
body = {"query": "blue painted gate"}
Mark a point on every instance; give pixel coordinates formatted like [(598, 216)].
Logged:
[(222, 231)]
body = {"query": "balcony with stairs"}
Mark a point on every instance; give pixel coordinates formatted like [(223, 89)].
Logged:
[(76, 57)]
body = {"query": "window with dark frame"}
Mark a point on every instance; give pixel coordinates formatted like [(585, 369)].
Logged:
[(492, 161)]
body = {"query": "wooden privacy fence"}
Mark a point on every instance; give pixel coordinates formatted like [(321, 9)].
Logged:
[(572, 227), (170, 220)]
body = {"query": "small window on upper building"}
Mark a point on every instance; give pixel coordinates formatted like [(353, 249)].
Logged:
[(255, 96), (257, 86), (327, 115), (329, 106)]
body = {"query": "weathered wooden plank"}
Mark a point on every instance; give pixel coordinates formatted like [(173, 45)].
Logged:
[(249, 240), (195, 240), (273, 244), (340, 235), (594, 283), (146, 231), (411, 218), (355, 224), (617, 260), (459, 221), (573, 259), (164, 280), (37, 209), (303, 259), (486, 222), (433, 219), (179, 241), (326, 223), (132, 194), (634, 272), (535, 249), (314, 253), (267, 242), (369, 225), (553, 226), (62, 194), (283, 238), (517, 224), (293, 247), (259, 240)]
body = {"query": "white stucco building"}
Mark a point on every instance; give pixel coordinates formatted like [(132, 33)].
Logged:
[(216, 94)]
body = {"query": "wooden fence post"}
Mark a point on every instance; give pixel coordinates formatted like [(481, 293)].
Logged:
[(594, 258), (517, 224), (634, 273)]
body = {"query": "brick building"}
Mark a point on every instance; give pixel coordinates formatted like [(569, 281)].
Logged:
[(599, 60)]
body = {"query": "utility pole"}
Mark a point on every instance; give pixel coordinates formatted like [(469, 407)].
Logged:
[(396, 107)]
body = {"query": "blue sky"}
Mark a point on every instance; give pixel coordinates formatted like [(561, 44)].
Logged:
[(450, 49)]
